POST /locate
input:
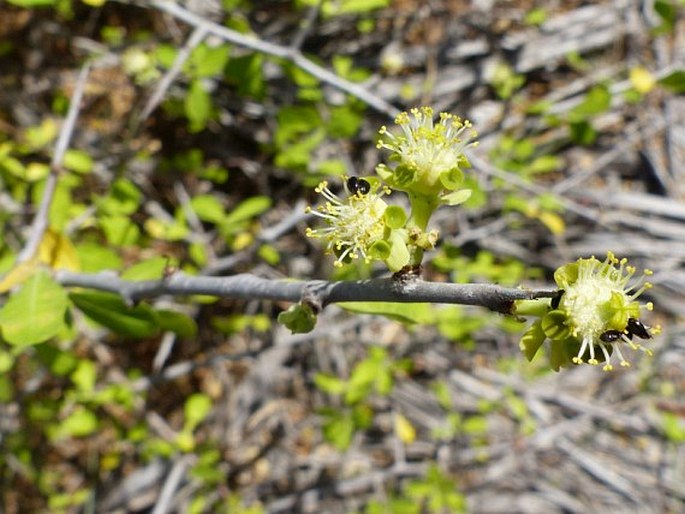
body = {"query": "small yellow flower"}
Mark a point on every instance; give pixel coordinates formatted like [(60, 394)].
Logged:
[(600, 308), (353, 224)]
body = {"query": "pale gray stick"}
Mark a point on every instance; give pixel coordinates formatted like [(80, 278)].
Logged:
[(174, 478), (195, 39), (40, 221)]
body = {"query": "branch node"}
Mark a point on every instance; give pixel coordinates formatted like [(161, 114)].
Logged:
[(312, 298), (408, 273)]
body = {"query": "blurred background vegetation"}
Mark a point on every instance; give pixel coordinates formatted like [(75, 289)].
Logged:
[(199, 149)]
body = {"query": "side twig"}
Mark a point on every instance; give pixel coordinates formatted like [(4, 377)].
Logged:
[(194, 40), (288, 53)]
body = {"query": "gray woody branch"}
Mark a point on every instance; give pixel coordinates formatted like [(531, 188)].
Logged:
[(317, 293)]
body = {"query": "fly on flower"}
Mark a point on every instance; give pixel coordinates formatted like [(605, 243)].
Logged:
[(637, 328), (358, 186)]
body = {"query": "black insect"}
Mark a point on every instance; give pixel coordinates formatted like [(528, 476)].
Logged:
[(358, 186), (556, 299), (636, 327), (611, 336)]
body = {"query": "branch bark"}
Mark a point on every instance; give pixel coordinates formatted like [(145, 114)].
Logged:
[(316, 292)]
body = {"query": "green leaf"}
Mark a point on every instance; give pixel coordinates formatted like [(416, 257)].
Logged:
[(36, 171), (197, 408), (596, 101), (456, 325), (165, 55), (674, 81), (6, 362), (560, 354), (362, 381), (94, 257), (40, 136), (269, 254), (35, 313), (110, 311), (297, 154), (293, 121), (362, 416), (84, 376), (673, 427), (208, 208), (343, 65), (338, 429), (247, 209), (208, 61), (331, 168), (177, 322), (582, 133), (59, 362), (247, 74), (240, 322), (360, 6), (329, 383), (532, 340), (404, 312), (299, 318), (544, 164), (7, 392), (344, 122), (198, 254), (536, 16), (32, 3), (197, 106), (62, 203), (78, 161), (124, 198), (13, 166), (668, 12), (119, 230), (80, 423), (149, 269), (456, 197)]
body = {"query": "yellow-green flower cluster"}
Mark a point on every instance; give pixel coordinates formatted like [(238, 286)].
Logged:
[(595, 316), (353, 224), (427, 158)]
